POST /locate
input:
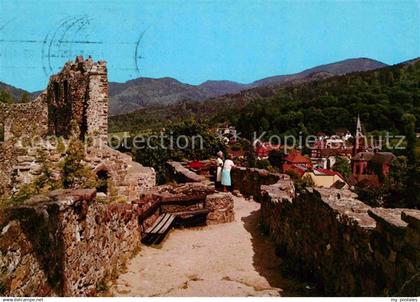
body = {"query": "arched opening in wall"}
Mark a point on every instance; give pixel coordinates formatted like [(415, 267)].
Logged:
[(103, 178), (57, 93), (1, 133)]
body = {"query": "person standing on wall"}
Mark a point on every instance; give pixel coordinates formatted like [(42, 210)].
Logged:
[(226, 177), (219, 163)]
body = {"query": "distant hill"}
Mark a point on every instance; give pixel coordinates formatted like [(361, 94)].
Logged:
[(16, 93), (337, 68), (147, 92)]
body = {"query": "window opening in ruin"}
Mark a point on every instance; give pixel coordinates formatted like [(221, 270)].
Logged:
[(1, 133), (56, 91), (102, 181), (84, 122), (66, 92), (60, 109)]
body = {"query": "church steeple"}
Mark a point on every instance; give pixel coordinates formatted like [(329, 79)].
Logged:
[(359, 139), (358, 127)]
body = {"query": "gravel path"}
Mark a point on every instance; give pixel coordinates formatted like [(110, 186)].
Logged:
[(231, 259)]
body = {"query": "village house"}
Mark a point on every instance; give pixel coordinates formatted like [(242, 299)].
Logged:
[(297, 163), (325, 150), (371, 167), (302, 166), (326, 178)]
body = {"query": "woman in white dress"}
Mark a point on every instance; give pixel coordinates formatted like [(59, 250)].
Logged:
[(227, 167), (219, 162)]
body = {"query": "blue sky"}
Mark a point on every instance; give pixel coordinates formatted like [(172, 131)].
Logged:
[(194, 40)]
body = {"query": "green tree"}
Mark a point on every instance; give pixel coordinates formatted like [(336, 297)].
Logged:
[(342, 166), (25, 98), (5, 97), (409, 121), (197, 142), (74, 173), (45, 182), (249, 153), (276, 158), (300, 182), (412, 195), (396, 183)]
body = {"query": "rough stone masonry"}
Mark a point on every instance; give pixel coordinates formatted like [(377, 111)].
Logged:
[(76, 97), (64, 243), (345, 246), (70, 242)]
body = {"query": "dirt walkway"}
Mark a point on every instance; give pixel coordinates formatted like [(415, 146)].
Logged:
[(231, 259)]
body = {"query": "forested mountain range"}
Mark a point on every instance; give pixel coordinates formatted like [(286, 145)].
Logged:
[(323, 102), (146, 92), (149, 92)]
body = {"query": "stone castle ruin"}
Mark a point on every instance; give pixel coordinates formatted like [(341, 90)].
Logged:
[(78, 93), (68, 242), (75, 101)]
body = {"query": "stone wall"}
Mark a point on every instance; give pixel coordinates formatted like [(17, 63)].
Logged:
[(248, 181), (129, 178), (346, 247), (25, 120), (65, 244), (22, 165), (220, 205), (183, 197), (180, 174)]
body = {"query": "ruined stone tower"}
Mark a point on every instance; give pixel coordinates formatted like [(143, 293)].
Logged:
[(75, 102), (76, 96), (79, 93)]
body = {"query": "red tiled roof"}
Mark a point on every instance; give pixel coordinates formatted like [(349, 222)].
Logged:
[(327, 171), (297, 158), (299, 170)]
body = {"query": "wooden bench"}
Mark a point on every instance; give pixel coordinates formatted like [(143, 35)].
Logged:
[(156, 233), (158, 230), (192, 212)]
